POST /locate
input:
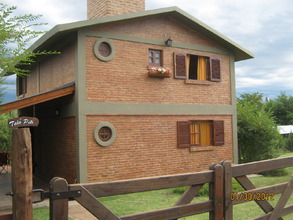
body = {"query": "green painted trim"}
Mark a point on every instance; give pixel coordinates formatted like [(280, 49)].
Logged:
[(234, 118), (175, 12), (135, 108), (113, 132), (80, 95), (129, 38)]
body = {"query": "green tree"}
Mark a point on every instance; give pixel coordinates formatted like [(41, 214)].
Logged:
[(282, 109), (5, 131), (258, 137), (16, 32)]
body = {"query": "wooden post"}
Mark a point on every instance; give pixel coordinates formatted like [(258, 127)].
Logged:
[(22, 168), (228, 209), (22, 174), (58, 208)]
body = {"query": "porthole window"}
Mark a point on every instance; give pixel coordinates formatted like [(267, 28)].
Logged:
[(104, 49), (105, 134)]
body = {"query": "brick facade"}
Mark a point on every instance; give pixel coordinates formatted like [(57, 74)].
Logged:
[(103, 8), (56, 153), (129, 81), (52, 73), (146, 145)]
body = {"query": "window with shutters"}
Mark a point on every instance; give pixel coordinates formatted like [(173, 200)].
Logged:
[(193, 67), (200, 133), (155, 57)]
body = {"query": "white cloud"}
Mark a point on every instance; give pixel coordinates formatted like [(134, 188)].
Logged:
[(264, 27)]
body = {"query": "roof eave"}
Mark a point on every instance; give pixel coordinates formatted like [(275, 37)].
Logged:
[(239, 52)]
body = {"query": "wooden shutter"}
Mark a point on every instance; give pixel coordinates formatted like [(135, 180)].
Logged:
[(215, 69), (218, 133), (180, 65), (183, 134)]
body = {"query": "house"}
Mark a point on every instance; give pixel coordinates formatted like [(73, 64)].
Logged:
[(133, 93), (285, 129)]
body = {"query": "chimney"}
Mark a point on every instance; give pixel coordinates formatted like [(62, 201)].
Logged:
[(102, 8)]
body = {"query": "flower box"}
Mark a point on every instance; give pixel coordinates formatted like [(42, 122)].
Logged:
[(159, 72)]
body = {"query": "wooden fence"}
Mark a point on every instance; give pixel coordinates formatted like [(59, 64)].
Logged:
[(219, 205)]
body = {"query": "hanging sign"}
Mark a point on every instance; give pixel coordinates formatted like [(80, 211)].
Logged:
[(23, 122)]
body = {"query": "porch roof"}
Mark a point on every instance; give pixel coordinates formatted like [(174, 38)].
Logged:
[(65, 90)]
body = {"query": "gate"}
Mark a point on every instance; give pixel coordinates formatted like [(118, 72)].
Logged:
[(219, 205)]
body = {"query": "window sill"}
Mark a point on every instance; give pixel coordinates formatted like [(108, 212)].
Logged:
[(202, 148), (198, 82)]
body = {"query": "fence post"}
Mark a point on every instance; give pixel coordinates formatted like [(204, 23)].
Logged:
[(59, 207), (216, 192), (228, 207), (22, 174)]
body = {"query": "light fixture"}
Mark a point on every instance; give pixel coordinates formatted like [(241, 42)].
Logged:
[(169, 42)]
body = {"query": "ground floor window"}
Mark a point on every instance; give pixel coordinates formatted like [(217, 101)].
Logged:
[(200, 133)]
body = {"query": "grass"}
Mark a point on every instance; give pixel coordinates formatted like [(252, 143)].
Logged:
[(154, 200)]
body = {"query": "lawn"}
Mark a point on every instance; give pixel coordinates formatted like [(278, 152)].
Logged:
[(147, 201), (153, 200)]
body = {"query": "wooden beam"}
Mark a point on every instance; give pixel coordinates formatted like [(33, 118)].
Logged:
[(147, 184), (36, 99), (261, 166)]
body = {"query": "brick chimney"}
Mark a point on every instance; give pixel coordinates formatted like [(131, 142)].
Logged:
[(102, 8)]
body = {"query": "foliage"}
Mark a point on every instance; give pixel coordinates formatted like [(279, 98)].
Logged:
[(16, 32), (5, 131), (258, 136), (289, 142), (282, 109)]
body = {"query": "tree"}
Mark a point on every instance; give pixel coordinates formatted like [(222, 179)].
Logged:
[(258, 137), (5, 131), (282, 109), (16, 32)]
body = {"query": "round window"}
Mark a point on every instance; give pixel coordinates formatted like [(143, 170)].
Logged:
[(105, 134), (104, 49)]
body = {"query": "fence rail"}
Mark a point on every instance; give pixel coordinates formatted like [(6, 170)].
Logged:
[(219, 205)]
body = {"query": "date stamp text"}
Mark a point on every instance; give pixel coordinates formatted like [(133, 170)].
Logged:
[(247, 196)]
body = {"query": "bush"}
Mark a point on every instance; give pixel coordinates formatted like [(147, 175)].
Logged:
[(5, 131), (289, 142), (258, 136), (278, 172)]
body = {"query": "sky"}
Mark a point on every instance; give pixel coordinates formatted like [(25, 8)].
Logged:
[(264, 27)]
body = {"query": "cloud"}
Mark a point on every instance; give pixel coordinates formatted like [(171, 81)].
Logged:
[(264, 27)]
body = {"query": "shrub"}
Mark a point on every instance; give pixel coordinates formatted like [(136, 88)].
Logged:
[(278, 172)]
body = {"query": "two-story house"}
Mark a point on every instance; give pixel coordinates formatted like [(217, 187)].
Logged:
[(133, 93)]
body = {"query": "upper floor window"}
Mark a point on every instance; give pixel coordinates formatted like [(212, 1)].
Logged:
[(188, 66), (21, 85), (155, 57)]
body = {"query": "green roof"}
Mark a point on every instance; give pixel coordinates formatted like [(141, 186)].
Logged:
[(61, 30)]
